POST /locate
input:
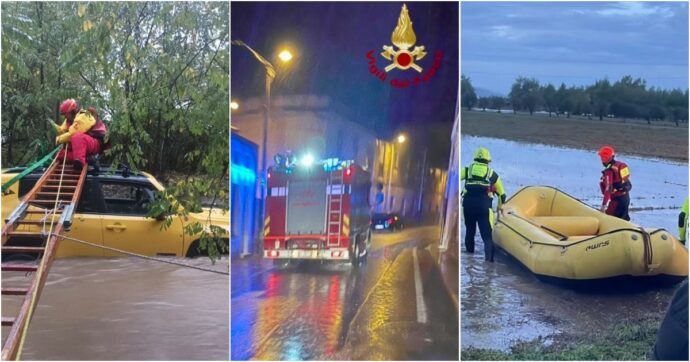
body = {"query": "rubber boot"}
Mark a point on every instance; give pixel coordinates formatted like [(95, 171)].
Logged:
[(95, 163)]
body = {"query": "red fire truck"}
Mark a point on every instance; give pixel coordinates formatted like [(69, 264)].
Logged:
[(318, 211)]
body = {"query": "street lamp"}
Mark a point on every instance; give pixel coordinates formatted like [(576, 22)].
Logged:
[(401, 139), (285, 55), (234, 105), (270, 75)]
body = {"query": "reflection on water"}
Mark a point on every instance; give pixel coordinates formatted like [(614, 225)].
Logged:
[(300, 312), (494, 309), (128, 309)]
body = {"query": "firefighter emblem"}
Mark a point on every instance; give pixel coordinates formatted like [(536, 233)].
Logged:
[(404, 38)]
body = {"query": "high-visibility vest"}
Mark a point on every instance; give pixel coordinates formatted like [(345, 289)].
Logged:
[(479, 179)]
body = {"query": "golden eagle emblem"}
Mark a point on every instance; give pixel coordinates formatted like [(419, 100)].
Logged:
[(404, 38)]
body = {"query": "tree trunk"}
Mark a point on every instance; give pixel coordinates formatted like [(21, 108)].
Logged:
[(160, 142)]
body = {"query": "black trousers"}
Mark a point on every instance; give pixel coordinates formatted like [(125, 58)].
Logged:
[(620, 207), (476, 213)]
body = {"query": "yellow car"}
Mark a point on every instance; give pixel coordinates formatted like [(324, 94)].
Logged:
[(112, 212)]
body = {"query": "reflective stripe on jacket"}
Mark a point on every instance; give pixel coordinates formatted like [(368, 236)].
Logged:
[(480, 179)]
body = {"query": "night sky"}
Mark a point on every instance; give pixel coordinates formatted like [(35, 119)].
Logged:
[(331, 40)]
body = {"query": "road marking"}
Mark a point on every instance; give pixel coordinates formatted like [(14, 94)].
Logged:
[(419, 289)]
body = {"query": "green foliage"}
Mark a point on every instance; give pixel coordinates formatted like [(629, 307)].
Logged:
[(190, 196), (623, 342), (156, 71), (526, 93), (468, 97), (625, 98)]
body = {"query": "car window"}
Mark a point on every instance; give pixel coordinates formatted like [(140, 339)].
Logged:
[(87, 204), (127, 198), (25, 185)]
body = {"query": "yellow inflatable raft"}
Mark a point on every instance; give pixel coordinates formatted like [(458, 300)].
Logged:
[(559, 238)]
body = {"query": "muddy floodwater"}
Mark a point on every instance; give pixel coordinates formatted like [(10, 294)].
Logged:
[(128, 309), (503, 303)]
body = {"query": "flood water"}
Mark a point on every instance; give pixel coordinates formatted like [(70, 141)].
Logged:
[(128, 309), (502, 302)]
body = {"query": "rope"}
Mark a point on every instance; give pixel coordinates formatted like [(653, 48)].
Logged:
[(41, 265), (144, 256), (648, 252)]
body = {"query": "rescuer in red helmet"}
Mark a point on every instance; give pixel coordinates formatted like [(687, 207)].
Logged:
[(615, 184), (83, 130)]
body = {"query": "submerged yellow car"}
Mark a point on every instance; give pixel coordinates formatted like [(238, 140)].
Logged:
[(112, 212)]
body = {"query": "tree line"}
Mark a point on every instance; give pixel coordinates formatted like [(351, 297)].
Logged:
[(625, 98)]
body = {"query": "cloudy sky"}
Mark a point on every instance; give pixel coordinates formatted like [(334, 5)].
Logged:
[(574, 42)]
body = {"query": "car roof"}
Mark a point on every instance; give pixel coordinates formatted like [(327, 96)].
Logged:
[(106, 173)]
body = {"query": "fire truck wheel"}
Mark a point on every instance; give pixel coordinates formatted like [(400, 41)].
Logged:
[(354, 254)]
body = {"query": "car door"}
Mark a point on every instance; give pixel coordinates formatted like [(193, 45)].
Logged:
[(125, 225), (86, 225)]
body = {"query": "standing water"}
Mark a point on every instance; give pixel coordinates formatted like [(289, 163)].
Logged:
[(129, 309), (503, 303)]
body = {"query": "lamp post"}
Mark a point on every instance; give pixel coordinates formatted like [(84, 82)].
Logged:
[(270, 75), (400, 139), (285, 56), (421, 187)]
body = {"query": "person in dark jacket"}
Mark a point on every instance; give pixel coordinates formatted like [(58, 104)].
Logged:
[(672, 337), (481, 183)]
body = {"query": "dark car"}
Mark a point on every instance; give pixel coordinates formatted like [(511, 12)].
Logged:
[(390, 222)]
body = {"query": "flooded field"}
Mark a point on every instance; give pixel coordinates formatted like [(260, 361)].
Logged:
[(128, 309), (503, 303)]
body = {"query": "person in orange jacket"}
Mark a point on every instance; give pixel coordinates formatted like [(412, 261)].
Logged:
[(83, 130), (615, 184)]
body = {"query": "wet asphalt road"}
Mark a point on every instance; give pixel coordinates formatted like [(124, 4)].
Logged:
[(314, 311)]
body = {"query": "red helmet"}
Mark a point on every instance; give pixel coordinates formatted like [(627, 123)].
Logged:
[(68, 106), (606, 153)]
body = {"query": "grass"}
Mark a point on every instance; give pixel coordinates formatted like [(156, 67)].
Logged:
[(644, 140), (632, 340)]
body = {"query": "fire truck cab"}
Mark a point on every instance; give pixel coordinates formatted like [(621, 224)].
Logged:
[(318, 211)]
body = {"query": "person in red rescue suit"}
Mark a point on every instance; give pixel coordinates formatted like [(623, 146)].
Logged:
[(83, 130), (615, 184)]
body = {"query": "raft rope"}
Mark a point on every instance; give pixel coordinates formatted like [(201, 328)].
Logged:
[(41, 265), (647, 249), (144, 256)]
